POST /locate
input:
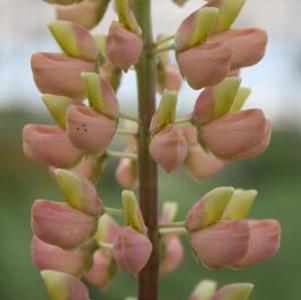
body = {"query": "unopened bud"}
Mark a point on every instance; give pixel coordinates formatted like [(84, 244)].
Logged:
[(62, 286), (83, 125), (123, 47), (60, 225), (49, 145), (74, 40), (100, 95), (79, 192), (57, 106)]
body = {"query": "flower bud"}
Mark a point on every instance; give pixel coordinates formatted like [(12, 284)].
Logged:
[(228, 12), (111, 74), (262, 146), (205, 65), (102, 271), (247, 45), (100, 95), (224, 94), (62, 286), (107, 230), (240, 99), (203, 111), (168, 148), (131, 250), (126, 16), (195, 29), (264, 242), (204, 290), (171, 255), (126, 172), (57, 106), (123, 47), (199, 163), (132, 212), (74, 40), (79, 192), (170, 210), (236, 291), (166, 113), (87, 13), (88, 130), (58, 224), (51, 257), (90, 167), (215, 102), (49, 145), (50, 71), (240, 204), (169, 77), (222, 244), (238, 135), (209, 209)]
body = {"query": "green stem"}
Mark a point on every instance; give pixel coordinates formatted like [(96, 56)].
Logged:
[(183, 121), (176, 230), (128, 117), (126, 132), (172, 225), (114, 211), (104, 245), (148, 172), (164, 49), (117, 154), (165, 39)]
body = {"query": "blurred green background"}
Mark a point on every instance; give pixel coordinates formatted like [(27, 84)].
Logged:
[(276, 175)]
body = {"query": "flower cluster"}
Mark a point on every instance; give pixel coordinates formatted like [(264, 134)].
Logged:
[(79, 239)]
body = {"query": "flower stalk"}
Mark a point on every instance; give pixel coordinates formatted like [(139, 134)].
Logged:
[(148, 177)]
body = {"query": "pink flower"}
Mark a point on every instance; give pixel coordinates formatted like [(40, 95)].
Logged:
[(169, 78), (84, 13), (102, 271), (88, 167), (59, 74), (131, 250), (221, 236), (222, 244), (206, 64), (79, 192), (58, 283), (169, 148), (247, 45), (203, 111), (126, 172), (49, 145), (108, 229), (46, 256), (172, 254), (238, 135), (123, 47), (100, 95), (88, 130), (264, 242), (74, 40), (58, 224), (199, 163)]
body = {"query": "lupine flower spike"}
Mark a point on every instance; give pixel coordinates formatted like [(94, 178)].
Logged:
[(79, 240)]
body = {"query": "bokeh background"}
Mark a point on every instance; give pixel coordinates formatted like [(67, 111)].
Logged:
[(276, 174)]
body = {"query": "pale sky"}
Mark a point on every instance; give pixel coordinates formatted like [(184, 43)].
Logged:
[(275, 81)]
